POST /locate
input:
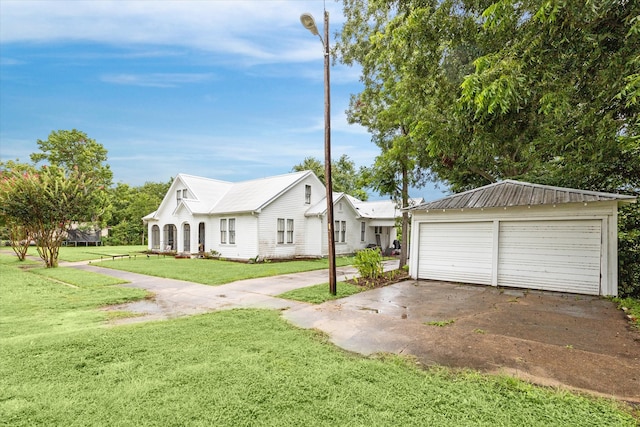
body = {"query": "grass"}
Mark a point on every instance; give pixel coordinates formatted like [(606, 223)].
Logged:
[(318, 294), (237, 367), (440, 323), (87, 253), (32, 305), (216, 272), (78, 278), (631, 306)]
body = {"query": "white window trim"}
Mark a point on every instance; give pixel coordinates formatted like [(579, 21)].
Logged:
[(280, 231), (223, 231), (285, 231), (307, 194), (340, 231), (289, 231), (232, 231)]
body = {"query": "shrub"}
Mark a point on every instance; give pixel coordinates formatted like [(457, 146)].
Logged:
[(369, 263), (629, 251)]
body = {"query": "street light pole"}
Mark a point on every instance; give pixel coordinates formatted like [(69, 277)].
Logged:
[(309, 23)]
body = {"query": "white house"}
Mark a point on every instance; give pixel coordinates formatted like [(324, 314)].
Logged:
[(523, 235), (282, 216)]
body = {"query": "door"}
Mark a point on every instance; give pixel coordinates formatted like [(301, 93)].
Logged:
[(551, 255), (456, 251)]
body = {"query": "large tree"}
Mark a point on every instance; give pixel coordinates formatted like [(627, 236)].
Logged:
[(127, 207), (538, 90), (20, 235), (46, 201), (501, 89), (74, 150)]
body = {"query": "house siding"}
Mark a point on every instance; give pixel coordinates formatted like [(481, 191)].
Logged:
[(256, 231), (245, 245), (343, 211), (290, 205)]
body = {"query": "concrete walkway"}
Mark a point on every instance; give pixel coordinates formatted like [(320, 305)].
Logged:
[(580, 342), (174, 298)]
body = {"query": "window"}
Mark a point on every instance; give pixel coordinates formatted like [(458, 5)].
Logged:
[(223, 231), (231, 234), (282, 231), (186, 238), (201, 237), (184, 194), (178, 196), (362, 231), (170, 233), (340, 232), (377, 229), (232, 231), (289, 231), (155, 237), (307, 194)]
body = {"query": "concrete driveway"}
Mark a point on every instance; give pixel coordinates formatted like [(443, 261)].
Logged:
[(548, 338)]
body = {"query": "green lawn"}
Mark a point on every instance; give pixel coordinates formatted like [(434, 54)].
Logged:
[(33, 306), (229, 368), (215, 272), (86, 253), (318, 294)]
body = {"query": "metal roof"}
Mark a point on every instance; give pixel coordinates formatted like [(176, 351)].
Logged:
[(250, 196), (517, 193)]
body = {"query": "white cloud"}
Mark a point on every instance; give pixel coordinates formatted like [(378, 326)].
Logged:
[(156, 79), (254, 31)]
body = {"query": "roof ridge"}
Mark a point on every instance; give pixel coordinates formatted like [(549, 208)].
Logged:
[(556, 188), (511, 195)]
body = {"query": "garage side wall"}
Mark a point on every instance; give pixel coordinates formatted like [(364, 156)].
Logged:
[(594, 217)]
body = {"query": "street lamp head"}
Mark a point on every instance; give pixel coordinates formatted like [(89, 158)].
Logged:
[(309, 23)]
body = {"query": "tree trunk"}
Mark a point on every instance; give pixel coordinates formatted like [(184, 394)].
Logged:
[(405, 216)]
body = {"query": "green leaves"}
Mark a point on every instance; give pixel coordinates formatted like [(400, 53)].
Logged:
[(46, 201), (74, 150)]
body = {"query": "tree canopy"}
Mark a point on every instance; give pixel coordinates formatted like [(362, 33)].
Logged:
[(74, 150), (344, 175), (45, 202), (469, 92), (545, 90)]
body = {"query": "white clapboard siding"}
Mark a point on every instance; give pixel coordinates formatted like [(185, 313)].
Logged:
[(456, 251), (551, 255)]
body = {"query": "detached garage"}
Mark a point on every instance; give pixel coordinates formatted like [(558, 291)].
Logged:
[(523, 235)]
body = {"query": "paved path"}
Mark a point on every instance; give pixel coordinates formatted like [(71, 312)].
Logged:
[(581, 342), (174, 298)]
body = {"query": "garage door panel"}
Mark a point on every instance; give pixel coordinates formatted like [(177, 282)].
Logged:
[(458, 252), (551, 255)]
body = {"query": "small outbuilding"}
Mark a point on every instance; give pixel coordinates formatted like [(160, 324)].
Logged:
[(523, 235)]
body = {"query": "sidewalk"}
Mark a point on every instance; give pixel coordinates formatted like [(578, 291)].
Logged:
[(174, 298)]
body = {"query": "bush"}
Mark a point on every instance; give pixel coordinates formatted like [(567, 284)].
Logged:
[(369, 263), (629, 251)]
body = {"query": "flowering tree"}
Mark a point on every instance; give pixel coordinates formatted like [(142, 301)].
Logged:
[(44, 203)]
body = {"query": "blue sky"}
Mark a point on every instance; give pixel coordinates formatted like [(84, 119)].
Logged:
[(231, 90)]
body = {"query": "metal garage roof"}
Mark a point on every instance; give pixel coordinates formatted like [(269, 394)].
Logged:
[(517, 193)]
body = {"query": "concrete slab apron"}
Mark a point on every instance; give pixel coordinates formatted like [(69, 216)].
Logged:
[(548, 338)]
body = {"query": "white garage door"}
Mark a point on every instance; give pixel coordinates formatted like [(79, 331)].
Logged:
[(551, 255), (456, 252)]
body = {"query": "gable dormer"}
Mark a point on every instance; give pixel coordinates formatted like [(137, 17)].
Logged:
[(181, 193)]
